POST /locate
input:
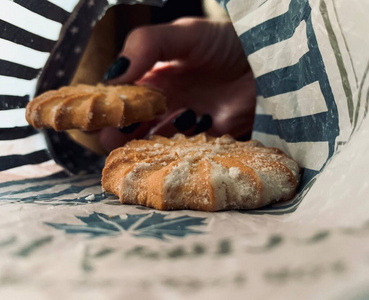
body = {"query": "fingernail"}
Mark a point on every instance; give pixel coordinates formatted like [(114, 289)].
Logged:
[(130, 128), (118, 68), (185, 120), (204, 123), (245, 137)]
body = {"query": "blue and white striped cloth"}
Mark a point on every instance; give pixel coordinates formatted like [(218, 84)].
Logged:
[(312, 89), (297, 109), (28, 34), (41, 43)]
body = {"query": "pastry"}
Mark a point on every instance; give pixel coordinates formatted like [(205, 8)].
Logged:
[(94, 107), (199, 173)]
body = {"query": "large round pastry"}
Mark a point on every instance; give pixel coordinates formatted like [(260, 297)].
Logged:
[(200, 173), (90, 107)]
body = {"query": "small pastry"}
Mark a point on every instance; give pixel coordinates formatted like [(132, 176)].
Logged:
[(88, 107)]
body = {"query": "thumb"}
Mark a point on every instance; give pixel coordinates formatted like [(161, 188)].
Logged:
[(147, 45)]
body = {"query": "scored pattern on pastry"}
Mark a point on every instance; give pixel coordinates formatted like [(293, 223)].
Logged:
[(199, 173), (94, 107)]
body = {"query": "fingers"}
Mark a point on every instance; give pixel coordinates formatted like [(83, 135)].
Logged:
[(183, 121), (111, 138), (203, 67), (148, 45), (203, 123)]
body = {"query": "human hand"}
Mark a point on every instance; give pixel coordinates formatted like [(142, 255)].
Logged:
[(200, 65)]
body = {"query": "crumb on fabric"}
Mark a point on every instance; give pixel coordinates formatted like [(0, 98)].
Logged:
[(90, 197)]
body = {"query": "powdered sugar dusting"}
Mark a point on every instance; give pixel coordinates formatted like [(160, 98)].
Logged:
[(234, 172), (128, 187), (175, 179), (258, 176), (231, 189)]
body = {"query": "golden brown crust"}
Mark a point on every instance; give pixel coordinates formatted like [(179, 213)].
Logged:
[(199, 173), (88, 107)]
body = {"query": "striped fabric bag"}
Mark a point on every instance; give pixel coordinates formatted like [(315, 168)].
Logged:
[(312, 89), (311, 75), (41, 43)]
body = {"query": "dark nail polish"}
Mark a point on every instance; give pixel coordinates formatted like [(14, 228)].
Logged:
[(204, 123), (118, 68), (245, 137), (130, 128), (185, 120)]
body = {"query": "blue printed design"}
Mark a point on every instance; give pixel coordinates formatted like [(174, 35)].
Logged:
[(283, 128), (320, 127), (72, 190), (277, 29), (153, 225)]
